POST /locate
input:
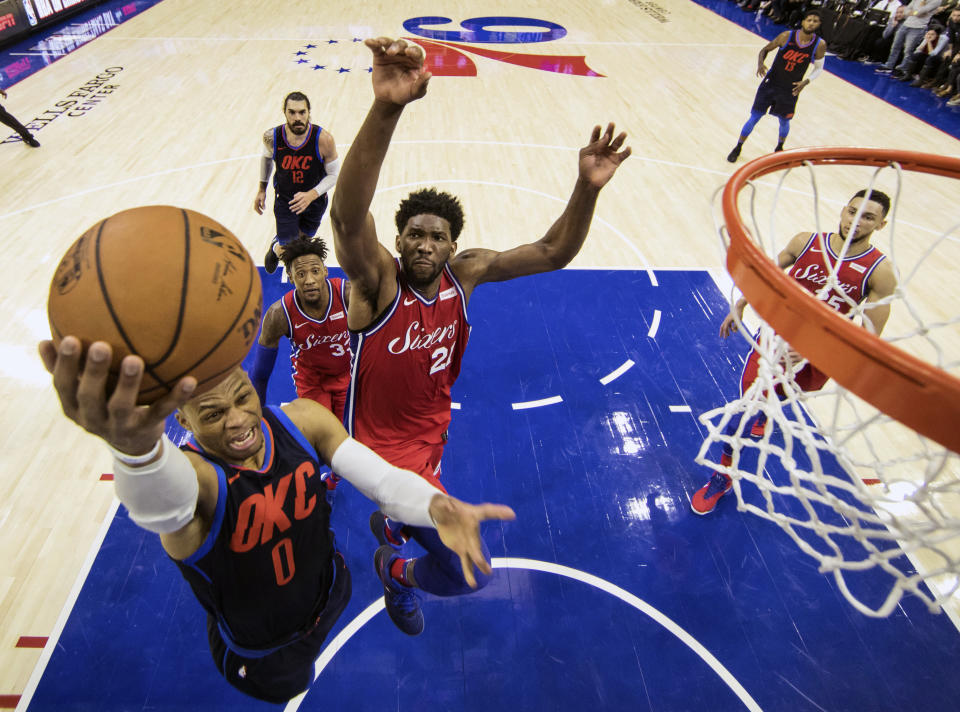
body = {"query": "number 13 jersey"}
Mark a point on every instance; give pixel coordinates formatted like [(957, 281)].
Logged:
[(404, 364)]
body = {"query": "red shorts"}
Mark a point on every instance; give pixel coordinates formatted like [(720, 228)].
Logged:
[(334, 401), (420, 457), (809, 378)]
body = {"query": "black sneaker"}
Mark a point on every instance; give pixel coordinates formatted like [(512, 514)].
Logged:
[(778, 148), (378, 525), (271, 261), (402, 603), (31, 141), (734, 154)]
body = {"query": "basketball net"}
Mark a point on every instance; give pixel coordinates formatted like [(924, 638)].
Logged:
[(875, 501)]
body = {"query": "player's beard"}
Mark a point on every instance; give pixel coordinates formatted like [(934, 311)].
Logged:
[(417, 279), (297, 128)]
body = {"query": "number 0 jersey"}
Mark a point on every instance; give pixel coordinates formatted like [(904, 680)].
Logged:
[(404, 364), (266, 566), (811, 270), (319, 348)]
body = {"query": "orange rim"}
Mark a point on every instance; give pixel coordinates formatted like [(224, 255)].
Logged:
[(919, 395)]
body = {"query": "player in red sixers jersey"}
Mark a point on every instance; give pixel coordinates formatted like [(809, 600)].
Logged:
[(313, 316), (408, 316), (782, 85), (864, 274)]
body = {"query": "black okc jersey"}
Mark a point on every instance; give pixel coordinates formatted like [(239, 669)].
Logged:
[(299, 168), (791, 61), (775, 92), (265, 568)]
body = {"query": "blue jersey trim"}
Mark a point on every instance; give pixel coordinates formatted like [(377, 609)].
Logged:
[(294, 431)]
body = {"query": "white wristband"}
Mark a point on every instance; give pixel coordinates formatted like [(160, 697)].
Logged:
[(138, 459)]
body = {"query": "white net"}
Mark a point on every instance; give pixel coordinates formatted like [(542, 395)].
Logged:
[(875, 503)]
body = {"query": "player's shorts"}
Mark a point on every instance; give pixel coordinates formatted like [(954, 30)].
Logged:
[(809, 378), (334, 401), (779, 100), (286, 673), (290, 225), (420, 457)]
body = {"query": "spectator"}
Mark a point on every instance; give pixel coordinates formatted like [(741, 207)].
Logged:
[(909, 34), (936, 70), (929, 49)]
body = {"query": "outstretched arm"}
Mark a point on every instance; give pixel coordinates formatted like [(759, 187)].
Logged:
[(274, 327), (398, 78), (598, 161), (165, 491), (400, 494)]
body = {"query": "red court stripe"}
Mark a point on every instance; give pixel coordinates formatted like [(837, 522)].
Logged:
[(870, 481), (8, 702), (106, 477), (32, 641)]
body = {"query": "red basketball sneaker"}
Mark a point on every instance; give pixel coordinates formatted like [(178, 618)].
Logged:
[(705, 499)]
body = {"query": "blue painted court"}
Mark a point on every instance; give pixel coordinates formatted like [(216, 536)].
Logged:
[(609, 595)]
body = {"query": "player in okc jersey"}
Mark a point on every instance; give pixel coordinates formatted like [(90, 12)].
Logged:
[(306, 159), (408, 315), (864, 274), (241, 509), (782, 85), (313, 316)]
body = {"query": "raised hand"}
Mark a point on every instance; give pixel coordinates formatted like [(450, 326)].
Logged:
[(600, 159), (458, 525), (117, 419), (398, 74)]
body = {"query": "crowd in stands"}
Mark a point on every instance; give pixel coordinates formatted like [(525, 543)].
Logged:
[(915, 41)]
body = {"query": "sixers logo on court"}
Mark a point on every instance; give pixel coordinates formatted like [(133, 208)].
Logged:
[(450, 52)]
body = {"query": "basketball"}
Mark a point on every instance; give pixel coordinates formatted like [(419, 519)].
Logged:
[(171, 285)]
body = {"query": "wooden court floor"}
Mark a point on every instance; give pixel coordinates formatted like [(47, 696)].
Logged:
[(195, 85)]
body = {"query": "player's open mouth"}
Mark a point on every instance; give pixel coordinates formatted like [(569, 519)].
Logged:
[(244, 440)]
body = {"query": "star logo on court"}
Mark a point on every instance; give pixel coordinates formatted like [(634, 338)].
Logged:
[(338, 56)]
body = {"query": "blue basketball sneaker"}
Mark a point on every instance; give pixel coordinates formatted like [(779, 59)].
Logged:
[(402, 603)]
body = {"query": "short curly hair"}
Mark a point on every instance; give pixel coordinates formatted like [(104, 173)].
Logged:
[(430, 201), (298, 248)]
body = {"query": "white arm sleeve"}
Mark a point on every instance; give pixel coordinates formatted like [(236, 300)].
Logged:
[(329, 180), (400, 494), (161, 496), (817, 68)]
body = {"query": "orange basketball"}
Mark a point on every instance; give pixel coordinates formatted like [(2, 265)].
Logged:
[(170, 285)]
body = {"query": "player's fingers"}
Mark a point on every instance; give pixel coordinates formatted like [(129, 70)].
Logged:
[(595, 134), (174, 400), (467, 567), (65, 373), (397, 47), (494, 511), (48, 354), (414, 52), (618, 141), (378, 45), (608, 133), (625, 154), (91, 391)]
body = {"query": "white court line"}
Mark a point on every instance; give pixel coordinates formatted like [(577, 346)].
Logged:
[(652, 333), (454, 405), (680, 409), (546, 567), (537, 403), (619, 371), (67, 609)]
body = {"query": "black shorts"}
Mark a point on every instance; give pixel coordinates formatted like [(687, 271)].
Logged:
[(779, 100), (290, 225), (284, 674)]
